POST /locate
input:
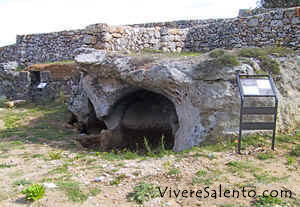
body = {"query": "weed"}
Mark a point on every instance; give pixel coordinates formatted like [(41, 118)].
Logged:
[(143, 192), (72, 191), (34, 192), (118, 179), (264, 156), (94, 191), (174, 172), (201, 173), (216, 53), (22, 182), (240, 167), (6, 166), (60, 170), (265, 178), (55, 155), (205, 181), (296, 151), (267, 201), (290, 160)]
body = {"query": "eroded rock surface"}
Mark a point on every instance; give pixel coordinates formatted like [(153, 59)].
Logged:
[(194, 103)]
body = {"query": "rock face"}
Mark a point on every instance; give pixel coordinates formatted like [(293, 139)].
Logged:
[(176, 96)]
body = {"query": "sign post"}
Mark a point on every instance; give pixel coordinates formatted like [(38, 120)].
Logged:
[(257, 86)]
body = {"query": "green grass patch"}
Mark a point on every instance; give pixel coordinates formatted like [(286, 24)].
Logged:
[(118, 179), (6, 166), (296, 151), (216, 53), (22, 182), (264, 156), (266, 178), (291, 160), (240, 167), (60, 170), (143, 192), (55, 155), (72, 191), (268, 201)]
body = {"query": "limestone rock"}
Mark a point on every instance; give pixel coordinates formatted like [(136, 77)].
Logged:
[(196, 101)]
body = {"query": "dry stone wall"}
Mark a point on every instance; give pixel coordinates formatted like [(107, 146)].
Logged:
[(276, 27)]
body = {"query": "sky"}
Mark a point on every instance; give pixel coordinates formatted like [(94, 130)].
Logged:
[(19, 17)]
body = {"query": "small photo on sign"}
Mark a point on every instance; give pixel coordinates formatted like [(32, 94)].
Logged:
[(42, 85), (251, 90), (264, 84)]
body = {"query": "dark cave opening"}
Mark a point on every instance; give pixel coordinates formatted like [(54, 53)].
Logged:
[(147, 116)]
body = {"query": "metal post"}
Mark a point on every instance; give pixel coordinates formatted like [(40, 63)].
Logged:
[(240, 131), (275, 114)]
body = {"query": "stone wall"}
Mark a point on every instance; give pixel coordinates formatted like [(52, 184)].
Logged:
[(277, 27)]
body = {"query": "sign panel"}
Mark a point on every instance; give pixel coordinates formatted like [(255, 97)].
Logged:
[(42, 85), (256, 86)]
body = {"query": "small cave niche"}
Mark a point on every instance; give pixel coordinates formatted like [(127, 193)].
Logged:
[(149, 115), (94, 125)]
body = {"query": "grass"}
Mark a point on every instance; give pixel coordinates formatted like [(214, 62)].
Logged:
[(291, 160), (267, 201), (55, 155), (205, 177), (227, 60), (264, 156), (6, 166), (22, 182), (62, 62), (266, 178), (216, 53), (118, 179), (143, 192), (239, 167), (60, 170), (296, 151), (265, 61), (72, 191)]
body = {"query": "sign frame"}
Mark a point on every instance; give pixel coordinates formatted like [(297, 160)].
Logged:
[(270, 110)]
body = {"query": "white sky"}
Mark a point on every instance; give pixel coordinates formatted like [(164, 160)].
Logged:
[(41, 16)]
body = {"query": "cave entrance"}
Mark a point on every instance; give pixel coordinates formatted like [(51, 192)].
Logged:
[(94, 125), (147, 115)]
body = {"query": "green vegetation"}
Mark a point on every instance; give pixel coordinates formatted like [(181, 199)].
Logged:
[(143, 192), (22, 182), (60, 170), (34, 192), (63, 62), (264, 156), (296, 151), (240, 167), (227, 60), (118, 179), (72, 190), (174, 171), (6, 166), (55, 155), (265, 61), (266, 178), (291, 160), (216, 53), (267, 201), (20, 67)]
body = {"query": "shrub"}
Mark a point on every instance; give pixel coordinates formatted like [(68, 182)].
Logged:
[(216, 53), (227, 60), (270, 65), (143, 192), (34, 192), (252, 52)]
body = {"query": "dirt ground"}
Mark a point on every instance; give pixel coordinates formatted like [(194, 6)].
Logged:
[(36, 146)]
